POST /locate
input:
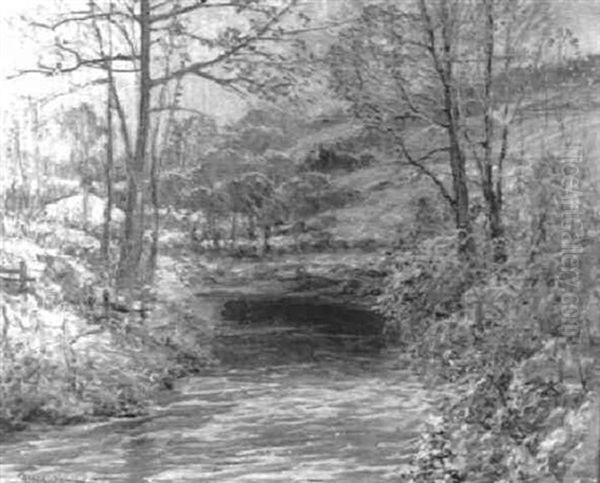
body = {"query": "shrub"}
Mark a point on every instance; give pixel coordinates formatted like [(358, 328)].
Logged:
[(328, 160), (336, 198), (425, 284), (515, 379)]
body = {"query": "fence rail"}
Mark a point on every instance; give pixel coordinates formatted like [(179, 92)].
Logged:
[(19, 276)]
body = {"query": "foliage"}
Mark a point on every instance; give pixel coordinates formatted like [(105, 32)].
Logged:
[(425, 283), (435, 461), (520, 371), (49, 370), (431, 217), (327, 160), (501, 343), (304, 192), (84, 129), (189, 139)]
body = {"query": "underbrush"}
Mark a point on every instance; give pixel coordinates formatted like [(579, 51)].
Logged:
[(55, 368), (524, 386), (63, 357)]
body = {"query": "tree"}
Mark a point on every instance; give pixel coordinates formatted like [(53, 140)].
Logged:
[(109, 163), (430, 76), (260, 130), (236, 57), (83, 128), (189, 139), (513, 32)]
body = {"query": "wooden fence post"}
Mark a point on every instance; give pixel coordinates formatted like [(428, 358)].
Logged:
[(106, 303), (22, 276)]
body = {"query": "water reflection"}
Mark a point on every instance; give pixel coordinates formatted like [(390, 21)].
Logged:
[(263, 331)]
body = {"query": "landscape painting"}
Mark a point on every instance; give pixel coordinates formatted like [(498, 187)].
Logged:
[(350, 241)]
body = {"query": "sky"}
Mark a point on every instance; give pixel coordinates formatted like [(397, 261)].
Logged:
[(17, 52), (582, 16)]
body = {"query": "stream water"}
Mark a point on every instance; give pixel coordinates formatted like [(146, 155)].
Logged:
[(304, 392)]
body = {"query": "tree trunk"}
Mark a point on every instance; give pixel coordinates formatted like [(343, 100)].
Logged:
[(492, 198), (153, 261), (24, 179), (466, 243), (108, 170), (108, 166), (133, 232), (157, 155), (496, 227), (598, 436), (85, 205), (251, 227), (266, 238), (36, 155), (233, 228)]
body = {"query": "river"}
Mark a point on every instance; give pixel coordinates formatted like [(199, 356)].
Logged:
[(304, 392)]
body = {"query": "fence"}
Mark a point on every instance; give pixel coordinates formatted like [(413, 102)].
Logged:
[(18, 276)]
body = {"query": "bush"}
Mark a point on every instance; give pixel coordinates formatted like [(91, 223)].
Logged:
[(336, 198), (514, 382), (425, 284), (328, 160), (49, 369)]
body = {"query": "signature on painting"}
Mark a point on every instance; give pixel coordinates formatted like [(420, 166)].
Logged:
[(52, 478)]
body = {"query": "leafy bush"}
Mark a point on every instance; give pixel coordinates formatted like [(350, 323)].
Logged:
[(336, 198), (431, 217), (52, 368), (496, 341), (303, 194), (425, 284), (328, 160), (435, 460)]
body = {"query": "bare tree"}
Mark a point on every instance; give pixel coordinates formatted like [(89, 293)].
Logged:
[(404, 63), (507, 29), (437, 78)]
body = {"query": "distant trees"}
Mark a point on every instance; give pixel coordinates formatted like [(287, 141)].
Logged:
[(84, 130), (254, 196), (251, 197), (260, 130), (189, 140)]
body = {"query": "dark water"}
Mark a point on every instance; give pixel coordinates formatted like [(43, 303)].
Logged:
[(305, 392)]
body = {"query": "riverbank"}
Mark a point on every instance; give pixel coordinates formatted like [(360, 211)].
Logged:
[(524, 397), (66, 360), (352, 419), (102, 371), (286, 393)]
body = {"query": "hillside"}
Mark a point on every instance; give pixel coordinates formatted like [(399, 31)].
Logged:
[(390, 189)]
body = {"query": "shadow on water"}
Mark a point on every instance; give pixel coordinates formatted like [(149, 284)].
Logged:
[(291, 330)]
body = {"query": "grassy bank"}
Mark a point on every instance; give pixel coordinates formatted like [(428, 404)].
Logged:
[(64, 358), (524, 395)]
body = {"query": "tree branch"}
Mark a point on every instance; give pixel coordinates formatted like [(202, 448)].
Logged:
[(198, 68), (78, 17), (417, 163), (178, 109), (195, 6)]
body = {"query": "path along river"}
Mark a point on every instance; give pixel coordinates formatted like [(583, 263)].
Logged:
[(304, 392)]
